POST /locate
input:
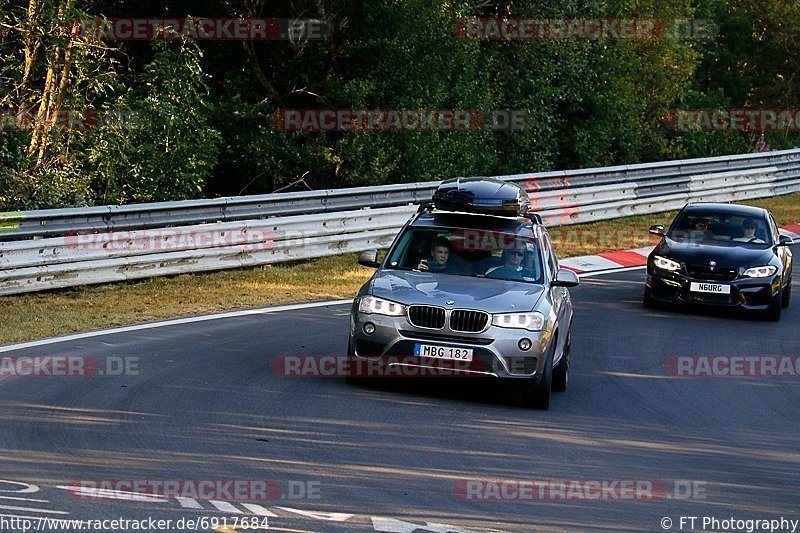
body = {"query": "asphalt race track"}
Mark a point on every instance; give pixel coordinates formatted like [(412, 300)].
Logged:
[(205, 404)]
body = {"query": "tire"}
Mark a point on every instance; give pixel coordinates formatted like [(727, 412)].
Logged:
[(561, 372), (774, 311), (539, 396), (786, 295), (357, 381), (647, 300)]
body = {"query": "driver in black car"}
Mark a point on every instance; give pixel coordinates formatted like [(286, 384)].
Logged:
[(749, 232)]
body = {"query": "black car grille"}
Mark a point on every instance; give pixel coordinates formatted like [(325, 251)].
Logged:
[(703, 298), (468, 321), (426, 316), (716, 274)]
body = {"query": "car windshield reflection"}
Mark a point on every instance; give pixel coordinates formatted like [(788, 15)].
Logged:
[(469, 252), (720, 228)]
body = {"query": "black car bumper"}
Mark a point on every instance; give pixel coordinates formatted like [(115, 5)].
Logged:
[(745, 293)]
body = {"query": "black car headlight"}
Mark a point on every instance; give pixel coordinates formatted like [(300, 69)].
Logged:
[(760, 271), (666, 264)]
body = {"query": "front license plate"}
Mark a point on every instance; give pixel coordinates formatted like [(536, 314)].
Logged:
[(713, 288), (443, 352)]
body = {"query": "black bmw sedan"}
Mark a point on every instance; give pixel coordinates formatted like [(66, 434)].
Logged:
[(723, 255)]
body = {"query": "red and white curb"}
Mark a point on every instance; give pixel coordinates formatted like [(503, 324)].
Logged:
[(636, 257)]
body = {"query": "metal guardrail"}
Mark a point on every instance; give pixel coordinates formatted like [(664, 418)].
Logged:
[(58, 248)]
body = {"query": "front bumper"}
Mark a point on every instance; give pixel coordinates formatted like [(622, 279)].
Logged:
[(746, 293), (496, 352)]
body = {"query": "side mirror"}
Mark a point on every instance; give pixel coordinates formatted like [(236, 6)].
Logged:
[(657, 229), (785, 240), (566, 278), (369, 258)]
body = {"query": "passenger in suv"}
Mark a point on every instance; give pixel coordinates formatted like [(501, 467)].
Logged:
[(440, 254)]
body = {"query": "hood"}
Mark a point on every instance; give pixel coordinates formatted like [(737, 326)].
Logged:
[(726, 254), (491, 295)]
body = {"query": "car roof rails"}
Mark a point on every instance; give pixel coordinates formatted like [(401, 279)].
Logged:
[(536, 218)]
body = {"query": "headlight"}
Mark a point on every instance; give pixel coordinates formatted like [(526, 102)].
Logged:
[(760, 272), (530, 321), (666, 264), (379, 306)]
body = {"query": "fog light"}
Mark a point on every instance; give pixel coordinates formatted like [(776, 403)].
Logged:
[(524, 344), (369, 328)]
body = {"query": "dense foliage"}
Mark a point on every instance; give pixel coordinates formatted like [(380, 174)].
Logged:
[(87, 121)]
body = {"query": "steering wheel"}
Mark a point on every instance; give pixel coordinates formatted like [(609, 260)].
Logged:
[(506, 273)]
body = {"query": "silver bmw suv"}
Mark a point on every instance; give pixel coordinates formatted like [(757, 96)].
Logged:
[(469, 287)]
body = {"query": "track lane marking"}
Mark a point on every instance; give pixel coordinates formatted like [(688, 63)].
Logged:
[(225, 507), (171, 322), (24, 499), (188, 503), (31, 510), (258, 510)]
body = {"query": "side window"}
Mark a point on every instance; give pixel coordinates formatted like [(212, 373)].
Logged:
[(549, 256), (774, 229)]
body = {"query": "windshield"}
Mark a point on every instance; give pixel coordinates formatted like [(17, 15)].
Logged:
[(715, 226), (469, 252)]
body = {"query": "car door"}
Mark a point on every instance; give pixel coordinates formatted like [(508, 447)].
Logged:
[(559, 296), (783, 252)]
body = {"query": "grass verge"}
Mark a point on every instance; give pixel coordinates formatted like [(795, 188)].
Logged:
[(41, 315)]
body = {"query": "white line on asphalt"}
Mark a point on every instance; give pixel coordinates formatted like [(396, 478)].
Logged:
[(30, 509), (27, 490), (257, 509), (610, 271), (225, 507), (173, 322), (23, 499), (189, 503), (319, 515)]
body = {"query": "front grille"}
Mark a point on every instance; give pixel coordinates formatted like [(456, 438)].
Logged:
[(426, 316), (416, 335), (705, 298), (716, 274), (468, 321)]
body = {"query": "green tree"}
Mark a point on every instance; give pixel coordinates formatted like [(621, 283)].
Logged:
[(159, 143)]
